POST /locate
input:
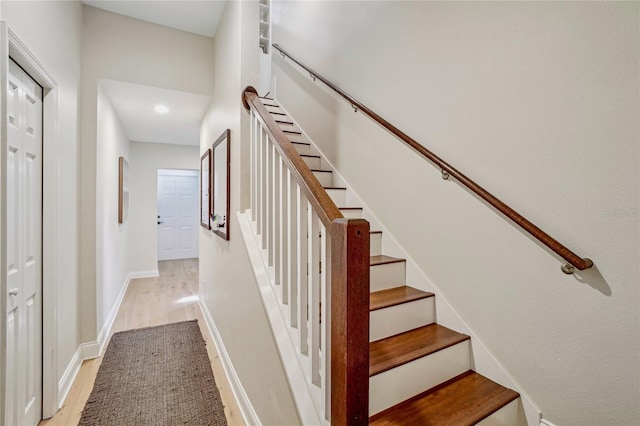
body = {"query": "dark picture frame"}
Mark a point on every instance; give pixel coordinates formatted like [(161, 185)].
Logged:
[(205, 189), (221, 185)]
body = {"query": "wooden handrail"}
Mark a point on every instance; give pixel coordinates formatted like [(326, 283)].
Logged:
[(321, 201), (350, 276), (574, 261)]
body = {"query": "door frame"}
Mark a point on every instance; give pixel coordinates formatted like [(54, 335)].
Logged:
[(12, 47)]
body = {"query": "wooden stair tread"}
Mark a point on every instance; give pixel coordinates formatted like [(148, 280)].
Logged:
[(335, 187), (277, 113), (402, 348), (300, 143), (382, 260), (349, 208), (292, 132), (284, 121), (464, 400), (309, 155), (395, 296), (375, 232), (321, 171)]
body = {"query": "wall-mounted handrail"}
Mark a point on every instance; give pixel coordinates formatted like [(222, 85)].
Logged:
[(574, 261), (321, 201)]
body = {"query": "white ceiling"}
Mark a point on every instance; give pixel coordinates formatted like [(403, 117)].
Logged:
[(198, 17), (134, 105)]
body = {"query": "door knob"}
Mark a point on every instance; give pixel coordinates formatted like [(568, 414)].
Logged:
[(160, 222), (13, 292)]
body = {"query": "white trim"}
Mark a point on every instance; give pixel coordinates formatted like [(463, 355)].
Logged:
[(246, 409), (90, 350), (178, 172), (94, 349), (22, 56), (544, 422), (151, 273), (288, 353), (69, 376), (13, 47), (483, 361)]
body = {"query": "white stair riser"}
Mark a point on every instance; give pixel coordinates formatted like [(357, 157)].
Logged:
[(511, 414), (397, 319), (274, 109), (386, 276), (325, 179), (285, 126), (302, 149), (352, 214), (312, 162), (375, 244), (339, 196), (400, 383)]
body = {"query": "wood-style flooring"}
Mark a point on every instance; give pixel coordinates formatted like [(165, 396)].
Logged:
[(171, 297)]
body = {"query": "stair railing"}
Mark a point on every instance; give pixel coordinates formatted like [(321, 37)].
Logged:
[(574, 261), (320, 262)]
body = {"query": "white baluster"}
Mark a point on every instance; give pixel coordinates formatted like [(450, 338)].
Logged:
[(277, 231), (325, 342), (264, 144), (284, 233), (254, 167), (259, 179), (292, 189), (302, 282), (272, 207), (314, 295)]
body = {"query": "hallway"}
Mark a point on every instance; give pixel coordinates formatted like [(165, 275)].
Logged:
[(171, 297)]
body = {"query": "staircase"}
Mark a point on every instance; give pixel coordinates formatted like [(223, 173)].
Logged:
[(420, 372)]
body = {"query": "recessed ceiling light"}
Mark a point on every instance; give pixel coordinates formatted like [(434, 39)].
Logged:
[(161, 109)]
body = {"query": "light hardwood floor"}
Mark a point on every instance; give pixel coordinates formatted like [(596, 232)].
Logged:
[(171, 297)]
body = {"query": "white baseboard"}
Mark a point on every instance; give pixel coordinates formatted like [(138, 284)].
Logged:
[(151, 273), (91, 350), (544, 422), (246, 409), (69, 375)]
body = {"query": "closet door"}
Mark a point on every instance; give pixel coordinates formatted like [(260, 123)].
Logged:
[(24, 249)]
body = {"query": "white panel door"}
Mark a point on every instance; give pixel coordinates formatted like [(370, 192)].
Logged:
[(24, 249), (178, 216)]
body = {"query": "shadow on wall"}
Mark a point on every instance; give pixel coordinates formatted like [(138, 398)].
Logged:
[(594, 279), (329, 103), (591, 276)]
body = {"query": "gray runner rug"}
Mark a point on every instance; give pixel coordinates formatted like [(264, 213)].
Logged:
[(155, 376)]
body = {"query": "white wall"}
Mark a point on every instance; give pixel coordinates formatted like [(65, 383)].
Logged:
[(146, 159), (52, 30), (119, 48), (227, 285), (112, 255), (536, 101)]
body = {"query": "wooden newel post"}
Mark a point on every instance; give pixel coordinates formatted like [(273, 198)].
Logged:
[(350, 322)]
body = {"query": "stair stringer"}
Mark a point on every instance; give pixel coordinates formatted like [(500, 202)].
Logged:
[(482, 359)]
